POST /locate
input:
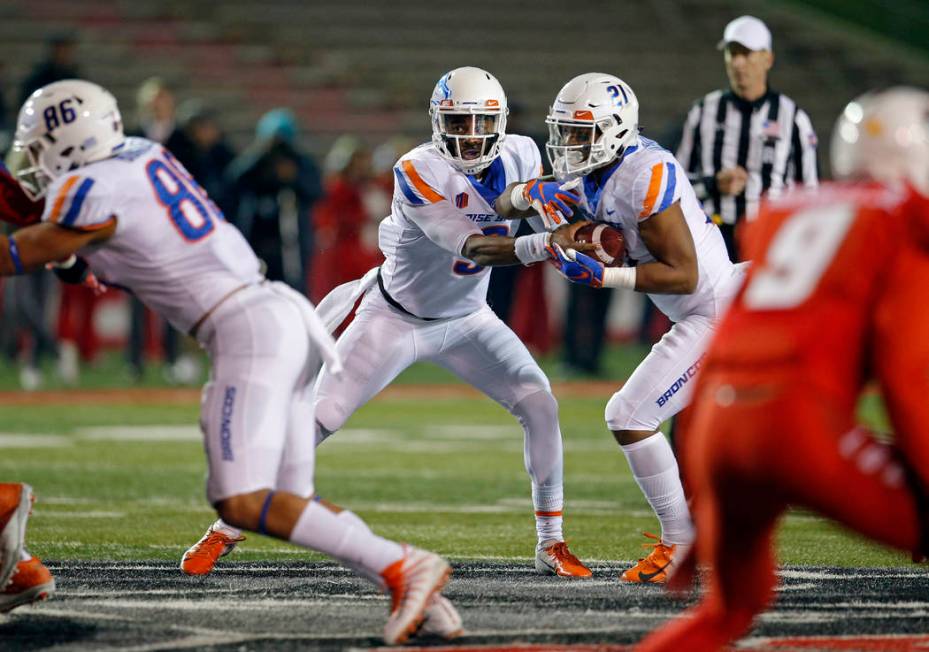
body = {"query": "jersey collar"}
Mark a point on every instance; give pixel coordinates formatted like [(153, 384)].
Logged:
[(744, 105), (594, 183), (493, 183)]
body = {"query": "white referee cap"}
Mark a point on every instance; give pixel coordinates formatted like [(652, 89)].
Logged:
[(748, 31)]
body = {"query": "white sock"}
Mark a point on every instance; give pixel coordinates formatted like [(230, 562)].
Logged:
[(24, 556), (225, 528), (655, 471), (549, 504), (340, 536), (353, 520)]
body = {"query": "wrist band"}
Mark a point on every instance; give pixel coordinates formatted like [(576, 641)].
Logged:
[(517, 198), (14, 256), (531, 248), (619, 277)]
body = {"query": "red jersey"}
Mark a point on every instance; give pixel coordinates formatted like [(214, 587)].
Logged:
[(15, 206), (839, 291)]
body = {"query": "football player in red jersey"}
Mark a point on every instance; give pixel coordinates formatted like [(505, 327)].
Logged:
[(818, 318), (15, 206)]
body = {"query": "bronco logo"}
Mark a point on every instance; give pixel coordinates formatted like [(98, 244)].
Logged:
[(682, 380)]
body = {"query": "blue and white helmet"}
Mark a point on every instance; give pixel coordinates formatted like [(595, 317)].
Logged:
[(468, 110), (591, 122), (63, 126)]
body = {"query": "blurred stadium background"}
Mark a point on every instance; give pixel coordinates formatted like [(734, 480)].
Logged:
[(357, 77)]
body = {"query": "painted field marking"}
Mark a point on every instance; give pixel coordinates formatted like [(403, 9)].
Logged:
[(40, 440), (151, 433), (91, 514)]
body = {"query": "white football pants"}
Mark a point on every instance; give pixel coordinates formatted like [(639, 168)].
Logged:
[(479, 348), (257, 407)]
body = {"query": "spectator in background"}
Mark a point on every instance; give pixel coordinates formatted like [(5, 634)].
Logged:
[(341, 218), (156, 110), (199, 144), (26, 297), (378, 195), (273, 185), (749, 140), (6, 126), (59, 63)]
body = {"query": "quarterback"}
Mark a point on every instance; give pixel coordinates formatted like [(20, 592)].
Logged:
[(679, 259), (453, 203), (128, 208)]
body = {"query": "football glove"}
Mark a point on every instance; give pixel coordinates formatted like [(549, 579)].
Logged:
[(552, 200), (577, 267), (75, 271)]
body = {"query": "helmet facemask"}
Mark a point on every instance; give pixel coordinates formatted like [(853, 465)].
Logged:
[(33, 178), (577, 147), (470, 139)]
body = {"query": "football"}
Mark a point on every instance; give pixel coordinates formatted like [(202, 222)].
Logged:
[(611, 246)]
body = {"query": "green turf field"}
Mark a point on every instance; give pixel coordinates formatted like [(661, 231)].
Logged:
[(126, 482)]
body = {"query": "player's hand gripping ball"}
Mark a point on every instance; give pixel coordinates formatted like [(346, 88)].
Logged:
[(610, 245)]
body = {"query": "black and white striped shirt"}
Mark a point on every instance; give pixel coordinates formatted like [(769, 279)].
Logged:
[(772, 138)]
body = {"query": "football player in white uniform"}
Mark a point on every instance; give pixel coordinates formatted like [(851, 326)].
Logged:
[(128, 208), (678, 258), (451, 219)]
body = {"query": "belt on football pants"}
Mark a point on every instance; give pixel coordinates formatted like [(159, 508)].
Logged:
[(393, 302), (206, 315)]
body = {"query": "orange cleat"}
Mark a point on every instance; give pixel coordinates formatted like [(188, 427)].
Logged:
[(15, 506), (554, 558), (655, 567), (203, 555), (31, 582), (412, 581)]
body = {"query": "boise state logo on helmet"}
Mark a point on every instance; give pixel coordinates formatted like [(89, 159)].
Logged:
[(468, 109)]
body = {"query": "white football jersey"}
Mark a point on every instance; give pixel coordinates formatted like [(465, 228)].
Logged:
[(647, 180), (171, 248), (428, 279)]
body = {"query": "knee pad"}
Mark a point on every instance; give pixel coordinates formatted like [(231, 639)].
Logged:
[(330, 416), (543, 454), (540, 405), (620, 414)]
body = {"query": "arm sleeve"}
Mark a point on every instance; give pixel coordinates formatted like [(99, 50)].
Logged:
[(803, 150), (901, 354), (443, 224), (656, 187), (689, 151), (77, 202), (690, 154)]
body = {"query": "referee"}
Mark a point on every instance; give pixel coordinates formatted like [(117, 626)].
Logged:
[(748, 141)]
